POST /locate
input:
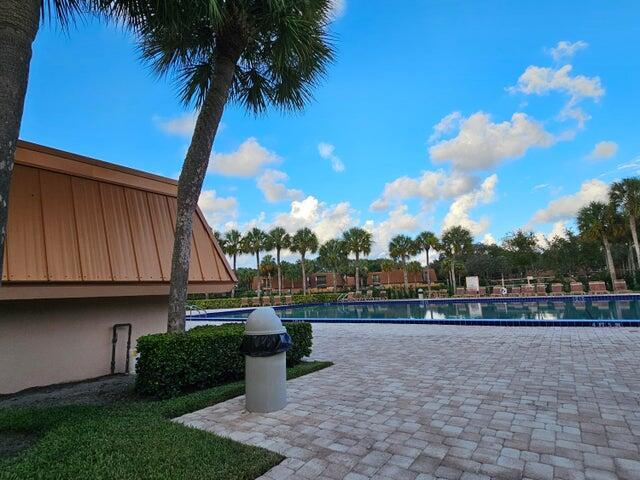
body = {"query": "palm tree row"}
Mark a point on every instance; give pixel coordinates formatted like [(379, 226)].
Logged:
[(356, 241), (334, 253)]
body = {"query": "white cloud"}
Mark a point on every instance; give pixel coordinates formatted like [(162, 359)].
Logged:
[(326, 151), (327, 221), (447, 125), (565, 208), (459, 210), (559, 230), (566, 50), (217, 209), (603, 150), (399, 221), (181, 126), (246, 161), (542, 80), (338, 7), (488, 239), (431, 186), (481, 144), (271, 183)]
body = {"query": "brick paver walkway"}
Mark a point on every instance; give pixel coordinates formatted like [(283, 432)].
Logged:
[(422, 402)]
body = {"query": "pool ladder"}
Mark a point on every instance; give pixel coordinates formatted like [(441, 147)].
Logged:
[(195, 310)]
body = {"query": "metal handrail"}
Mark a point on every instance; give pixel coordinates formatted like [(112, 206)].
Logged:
[(191, 309)]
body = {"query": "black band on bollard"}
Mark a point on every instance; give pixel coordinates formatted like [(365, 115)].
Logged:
[(265, 345)]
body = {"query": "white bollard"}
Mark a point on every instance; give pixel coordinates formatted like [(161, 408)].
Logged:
[(265, 361)]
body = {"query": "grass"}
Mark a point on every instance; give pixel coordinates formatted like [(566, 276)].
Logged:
[(133, 440)]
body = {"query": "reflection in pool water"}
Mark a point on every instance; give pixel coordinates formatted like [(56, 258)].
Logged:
[(565, 309)]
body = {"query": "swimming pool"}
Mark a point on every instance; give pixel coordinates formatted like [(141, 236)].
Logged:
[(603, 310)]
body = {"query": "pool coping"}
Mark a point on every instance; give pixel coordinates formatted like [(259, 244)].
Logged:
[(223, 315)]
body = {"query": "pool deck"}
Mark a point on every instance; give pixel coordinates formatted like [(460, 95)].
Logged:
[(423, 402)]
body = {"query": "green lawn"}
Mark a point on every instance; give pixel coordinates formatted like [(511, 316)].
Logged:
[(133, 440)]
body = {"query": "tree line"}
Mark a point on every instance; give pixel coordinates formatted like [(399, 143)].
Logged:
[(606, 236)]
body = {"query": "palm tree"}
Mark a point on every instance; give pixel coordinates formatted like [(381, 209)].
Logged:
[(402, 247), (387, 266), (253, 52), (267, 268), (414, 267), (456, 243), (333, 255), (253, 243), (625, 195), (357, 241), (277, 239), (426, 241), (597, 222), (302, 242), (232, 245)]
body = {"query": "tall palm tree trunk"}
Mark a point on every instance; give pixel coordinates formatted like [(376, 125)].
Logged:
[(428, 275), (610, 265), (258, 270), (19, 20), (452, 271), (335, 281), (357, 273), (634, 235), (233, 290), (304, 276), (279, 272), (404, 275), (192, 176)]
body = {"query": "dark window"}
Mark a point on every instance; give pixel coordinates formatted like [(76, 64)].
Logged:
[(321, 281)]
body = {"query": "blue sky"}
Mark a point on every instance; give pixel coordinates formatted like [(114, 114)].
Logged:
[(494, 115)]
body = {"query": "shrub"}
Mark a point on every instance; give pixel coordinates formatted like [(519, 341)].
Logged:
[(237, 301), (173, 363)]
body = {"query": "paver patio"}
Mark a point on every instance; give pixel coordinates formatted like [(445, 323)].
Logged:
[(422, 402)]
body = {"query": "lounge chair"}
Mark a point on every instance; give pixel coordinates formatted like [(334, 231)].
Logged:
[(460, 291), (557, 289), (620, 286), (244, 302), (472, 292), (541, 289), (516, 291), (576, 288), (527, 290), (383, 294), (598, 288), (288, 299), (369, 295), (266, 301), (350, 296)]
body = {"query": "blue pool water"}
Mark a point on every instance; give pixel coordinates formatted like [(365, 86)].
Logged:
[(574, 311)]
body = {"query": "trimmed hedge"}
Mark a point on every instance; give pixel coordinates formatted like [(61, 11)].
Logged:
[(236, 302), (174, 363)]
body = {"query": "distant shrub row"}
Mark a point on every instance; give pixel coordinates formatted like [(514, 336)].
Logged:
[(173, 363), (236, 302)]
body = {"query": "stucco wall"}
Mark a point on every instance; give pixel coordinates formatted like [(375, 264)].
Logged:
[(43, 342)]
